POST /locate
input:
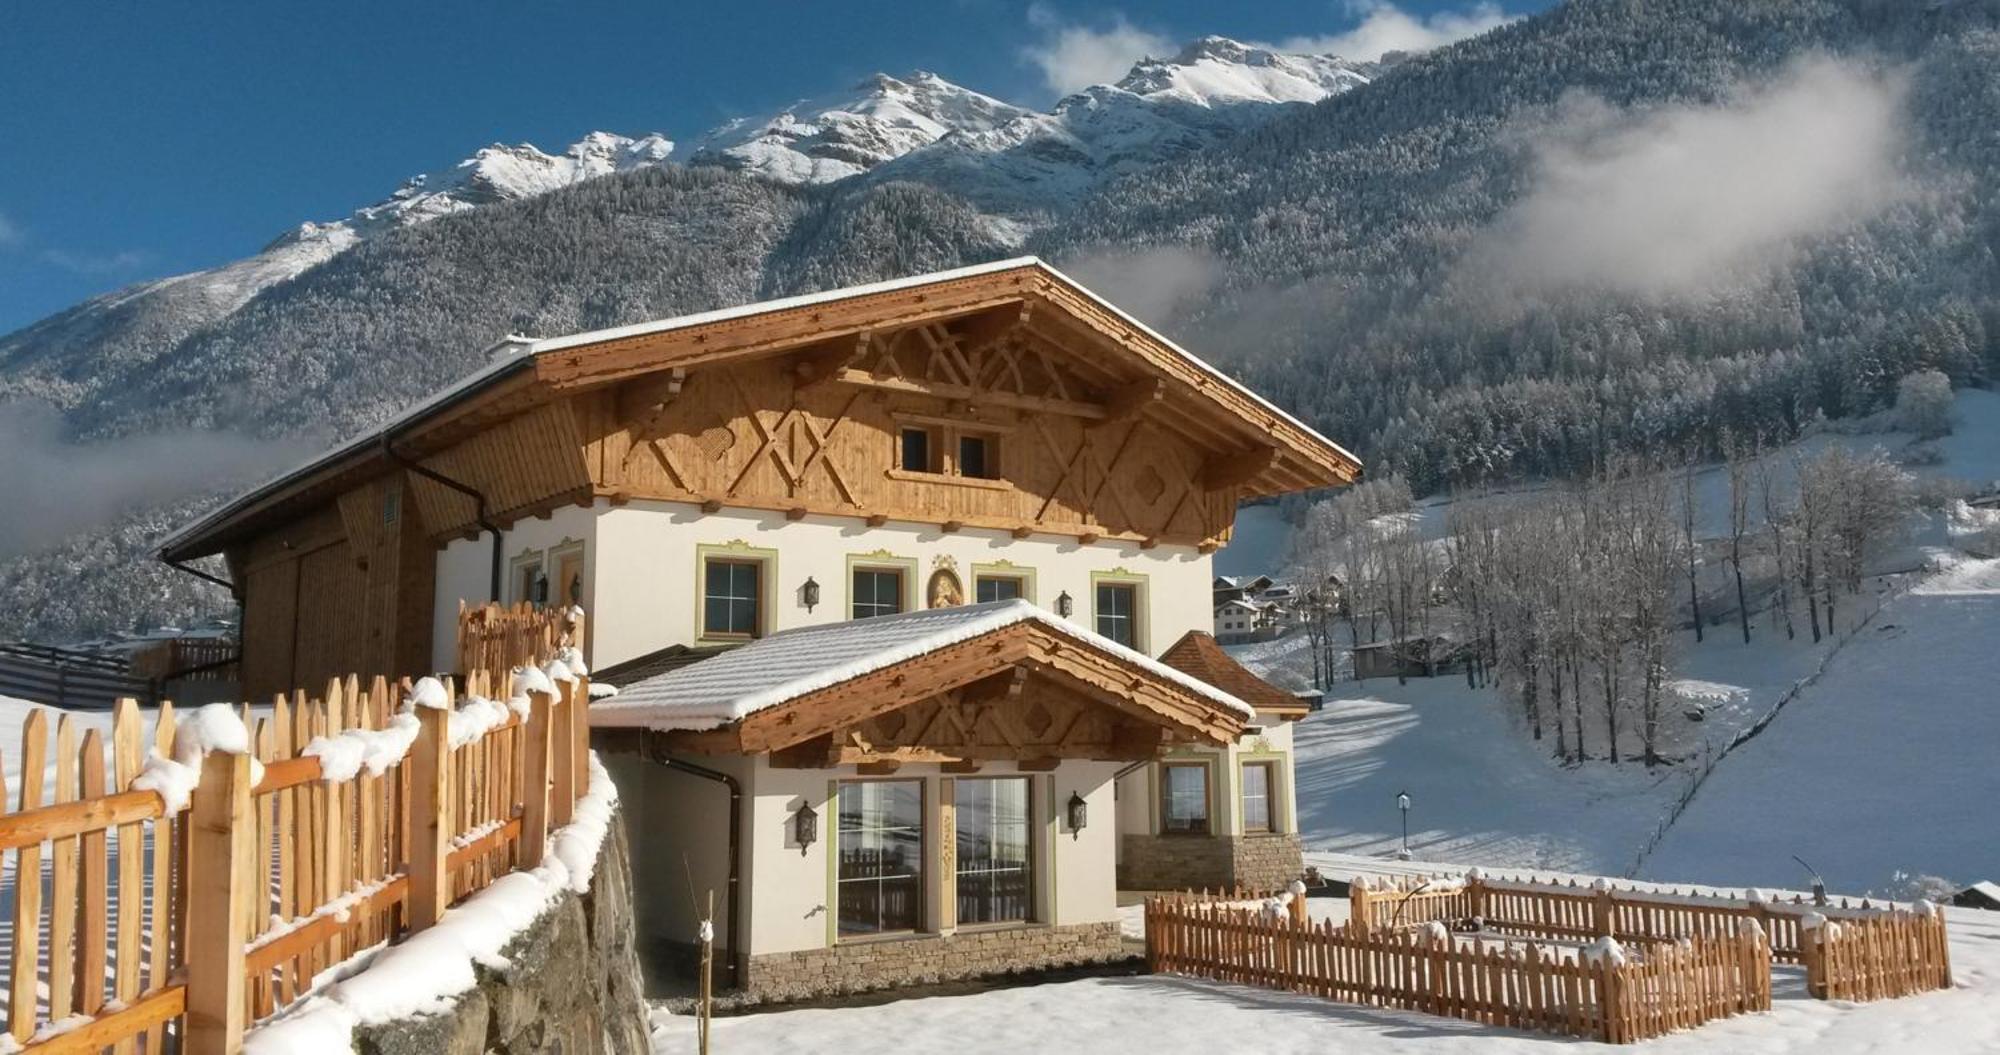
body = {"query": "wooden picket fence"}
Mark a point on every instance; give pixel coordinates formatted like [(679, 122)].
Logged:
[(218, 914), (1535, 908), (1878, 958), (496, 638), (1551, 987)]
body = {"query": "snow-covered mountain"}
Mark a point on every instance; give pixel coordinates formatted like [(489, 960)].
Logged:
[(1038, 163), (831, 138)]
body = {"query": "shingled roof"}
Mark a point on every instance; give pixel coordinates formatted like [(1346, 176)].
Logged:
[(1197, 655)]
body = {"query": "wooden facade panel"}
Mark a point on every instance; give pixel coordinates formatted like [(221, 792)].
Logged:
[(331, 631), (270, 606), (531, 460), (748, 434)]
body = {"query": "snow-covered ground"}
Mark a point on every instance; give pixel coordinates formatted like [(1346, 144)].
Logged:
[(1163, 1015), (1885, 764), (1483, 791)]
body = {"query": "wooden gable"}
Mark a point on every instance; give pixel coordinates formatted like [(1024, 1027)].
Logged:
[(1022, 693)]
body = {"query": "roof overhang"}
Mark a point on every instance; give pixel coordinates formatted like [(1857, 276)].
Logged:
[(979, 661), (1268, 451)]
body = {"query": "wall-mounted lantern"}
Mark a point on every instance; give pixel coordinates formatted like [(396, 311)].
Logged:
[(809, 593), (1064, 605), (539, 591), (805, 827), (1079, 814), (576, 590)]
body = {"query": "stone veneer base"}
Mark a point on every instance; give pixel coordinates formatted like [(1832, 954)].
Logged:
[(859, 966), (1213, 862)]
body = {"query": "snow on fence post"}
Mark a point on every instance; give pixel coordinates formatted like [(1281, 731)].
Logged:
[(430, 791), (221, 835)]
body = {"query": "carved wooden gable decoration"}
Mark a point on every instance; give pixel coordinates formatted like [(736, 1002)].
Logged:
[(1083, 440)]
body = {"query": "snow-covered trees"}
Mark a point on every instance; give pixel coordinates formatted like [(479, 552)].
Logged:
[(1923, 404)]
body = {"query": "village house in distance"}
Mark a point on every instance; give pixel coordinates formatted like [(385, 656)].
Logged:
[(907, 588)]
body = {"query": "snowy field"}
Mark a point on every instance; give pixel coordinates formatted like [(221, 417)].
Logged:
[(1169, 1016), (1886, 764), (1483, 791)]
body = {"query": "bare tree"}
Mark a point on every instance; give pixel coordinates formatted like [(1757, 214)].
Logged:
[(1738, 465)]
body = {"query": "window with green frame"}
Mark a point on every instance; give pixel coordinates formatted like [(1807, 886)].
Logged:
[(1260, 782), (1184, 798), (876, 591), (879, 849), (732, 600), (997, 588), (1118, 612)]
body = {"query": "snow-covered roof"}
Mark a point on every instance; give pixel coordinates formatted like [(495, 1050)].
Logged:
[(792, 663), (515, 353)]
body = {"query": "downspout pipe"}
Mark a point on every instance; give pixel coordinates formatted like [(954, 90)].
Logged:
[(655, 752), (479, 514)]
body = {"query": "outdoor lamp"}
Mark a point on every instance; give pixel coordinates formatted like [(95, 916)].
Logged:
[(805, 827), (576, 590), (809, 593), (1079, 814), (539, 592), (1403, 804), (1064, 605)]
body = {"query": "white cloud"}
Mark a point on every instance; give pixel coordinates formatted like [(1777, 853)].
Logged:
[(1152, 284), (10, 233), (1073, 56), (1384, 28), (95, 263), (1687, 200)]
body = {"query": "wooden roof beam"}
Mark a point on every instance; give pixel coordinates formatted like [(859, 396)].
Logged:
[(977, 332), (819, 363), (978, 397), (1131, 400), (1232, 470)]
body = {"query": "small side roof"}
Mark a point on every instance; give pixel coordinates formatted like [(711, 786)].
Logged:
[(1197, 655), (792, 664)]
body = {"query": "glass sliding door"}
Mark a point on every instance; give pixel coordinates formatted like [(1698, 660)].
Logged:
[(995, 878), (880, 843)]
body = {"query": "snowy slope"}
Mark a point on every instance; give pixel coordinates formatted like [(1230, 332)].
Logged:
[(1886, 764)]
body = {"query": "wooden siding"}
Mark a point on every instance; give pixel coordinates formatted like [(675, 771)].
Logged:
[(749, 434)]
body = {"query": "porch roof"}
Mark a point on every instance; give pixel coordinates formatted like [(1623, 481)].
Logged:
[(792, 664)]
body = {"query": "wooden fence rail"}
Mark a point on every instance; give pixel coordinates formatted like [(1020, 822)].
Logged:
[(1597, 991), (356, 816)]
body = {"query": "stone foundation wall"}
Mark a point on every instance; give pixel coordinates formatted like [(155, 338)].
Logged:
[(1196, 862), (1267, 862), (571, 984), (860, 966)]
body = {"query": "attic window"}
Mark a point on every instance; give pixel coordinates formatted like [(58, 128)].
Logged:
[(978, 457), (917, 450)]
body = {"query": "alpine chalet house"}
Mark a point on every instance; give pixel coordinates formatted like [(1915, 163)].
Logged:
[(905, 586)]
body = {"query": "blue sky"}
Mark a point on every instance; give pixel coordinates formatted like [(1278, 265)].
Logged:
[(149, 139)]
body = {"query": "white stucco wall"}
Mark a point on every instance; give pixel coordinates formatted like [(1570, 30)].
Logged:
[(464, 569), (1139, 791), (645, 562)]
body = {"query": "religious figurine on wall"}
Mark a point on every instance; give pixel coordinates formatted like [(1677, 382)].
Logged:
[(945, 589)]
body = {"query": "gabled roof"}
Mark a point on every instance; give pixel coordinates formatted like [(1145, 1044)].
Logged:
[(1197, 655), (1278, 452), (792, 665)]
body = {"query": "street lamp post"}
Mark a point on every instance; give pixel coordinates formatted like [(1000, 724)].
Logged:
[(1403, 804)]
